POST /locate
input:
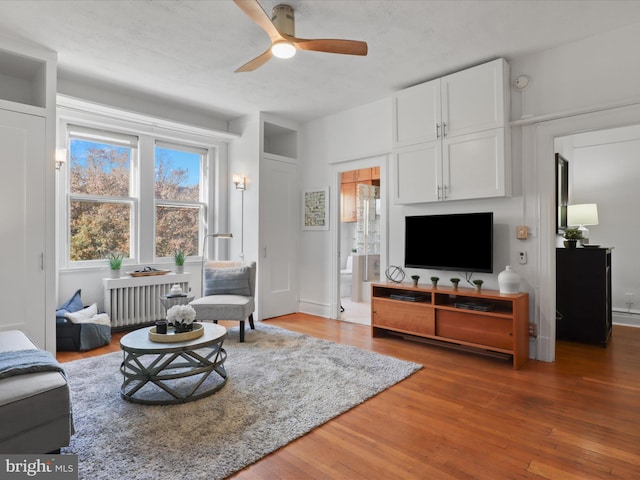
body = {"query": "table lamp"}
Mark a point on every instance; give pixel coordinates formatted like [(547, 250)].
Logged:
[(581, 215)]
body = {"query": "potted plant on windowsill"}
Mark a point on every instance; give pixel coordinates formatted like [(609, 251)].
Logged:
[(115, 263), (179, 257), (571, 237)]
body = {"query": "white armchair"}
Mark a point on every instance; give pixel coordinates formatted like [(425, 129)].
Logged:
[(228, 293)]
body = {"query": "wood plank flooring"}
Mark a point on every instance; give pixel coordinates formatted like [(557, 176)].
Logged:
[(465, 416)]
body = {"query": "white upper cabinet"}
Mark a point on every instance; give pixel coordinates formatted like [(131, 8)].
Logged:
[(416, 114), (451, 141), (473, 100)]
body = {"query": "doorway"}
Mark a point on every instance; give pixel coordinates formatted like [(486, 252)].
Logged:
[(360, 237), (540, 199)]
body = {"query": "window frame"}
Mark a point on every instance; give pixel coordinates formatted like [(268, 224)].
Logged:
[(148, 130), (205, 162)]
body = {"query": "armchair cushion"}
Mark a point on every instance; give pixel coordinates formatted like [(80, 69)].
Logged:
[(227, 281)]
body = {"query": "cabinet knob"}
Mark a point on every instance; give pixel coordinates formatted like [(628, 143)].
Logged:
[(437, 130)]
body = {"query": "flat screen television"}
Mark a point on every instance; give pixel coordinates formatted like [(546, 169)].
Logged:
[(462, 242)]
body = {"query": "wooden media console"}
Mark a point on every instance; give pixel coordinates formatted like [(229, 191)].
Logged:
[(488, 320)]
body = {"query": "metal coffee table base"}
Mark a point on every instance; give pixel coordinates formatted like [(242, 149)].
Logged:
[(173, 373)]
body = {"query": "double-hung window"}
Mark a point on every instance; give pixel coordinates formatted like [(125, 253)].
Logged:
[(132, 184), (179, 198), (102, 193)]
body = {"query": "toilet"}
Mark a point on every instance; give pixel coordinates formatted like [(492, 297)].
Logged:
[(345, 278)]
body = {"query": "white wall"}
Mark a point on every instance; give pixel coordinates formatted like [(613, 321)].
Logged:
[(351, 135), (605, 170), (599, 70)]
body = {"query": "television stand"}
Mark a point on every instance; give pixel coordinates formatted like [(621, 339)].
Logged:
[(484, 322)]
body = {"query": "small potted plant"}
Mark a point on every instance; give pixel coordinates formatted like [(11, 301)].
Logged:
[(415, 279), (115, 263), (478, 283), (454, 281), (434, 281), (571, 237), (179, 256)]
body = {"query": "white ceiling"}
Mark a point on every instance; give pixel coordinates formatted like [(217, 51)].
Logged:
[(187, 51)]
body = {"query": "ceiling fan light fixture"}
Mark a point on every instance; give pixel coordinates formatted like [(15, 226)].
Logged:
[(283, 50)]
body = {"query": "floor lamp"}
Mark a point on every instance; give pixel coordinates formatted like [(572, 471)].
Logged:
[(241, 184), (204, 253)]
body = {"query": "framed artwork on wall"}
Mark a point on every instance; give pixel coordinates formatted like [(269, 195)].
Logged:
[(315, 209), (562, 193)]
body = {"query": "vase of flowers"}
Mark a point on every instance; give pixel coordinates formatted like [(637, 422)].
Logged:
[(181, 317)]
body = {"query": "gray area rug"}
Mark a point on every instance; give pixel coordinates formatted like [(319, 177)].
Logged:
[(280, 386)]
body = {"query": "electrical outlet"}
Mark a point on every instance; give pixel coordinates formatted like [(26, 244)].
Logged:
[(522, 257), (533, 330)]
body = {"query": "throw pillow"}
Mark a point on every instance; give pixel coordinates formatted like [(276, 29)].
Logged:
[(81, 316), (72, 305), (227, 281)]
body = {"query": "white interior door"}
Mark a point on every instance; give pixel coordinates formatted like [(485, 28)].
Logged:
[(279, 196), (23, 224)]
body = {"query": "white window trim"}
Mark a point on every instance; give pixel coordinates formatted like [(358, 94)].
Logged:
[(149, 130)]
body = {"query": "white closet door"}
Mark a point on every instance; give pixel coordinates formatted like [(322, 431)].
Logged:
[(23, 224), (279, 227)]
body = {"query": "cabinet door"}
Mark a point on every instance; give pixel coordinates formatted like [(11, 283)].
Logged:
[(416, 113), (362, 175), (23, 232), (416, 173), (348, 177), (473, 166), (348, 202), (473, 100)]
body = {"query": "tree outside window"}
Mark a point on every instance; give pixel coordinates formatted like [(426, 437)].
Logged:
[(179, 209), (100, 204)]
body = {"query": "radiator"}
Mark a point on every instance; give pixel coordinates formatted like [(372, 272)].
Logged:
[(132, 301)]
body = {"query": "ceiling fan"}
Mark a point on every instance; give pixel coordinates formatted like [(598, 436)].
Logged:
[(284, 43)]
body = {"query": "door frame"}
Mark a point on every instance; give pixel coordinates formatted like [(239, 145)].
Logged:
[(382, 161), (538, 149)]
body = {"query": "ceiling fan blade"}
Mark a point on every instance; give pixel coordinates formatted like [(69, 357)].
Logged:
[(347, 47), (256, 13), (256, 62)]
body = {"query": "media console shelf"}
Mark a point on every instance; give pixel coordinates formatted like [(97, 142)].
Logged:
[(489, 320)]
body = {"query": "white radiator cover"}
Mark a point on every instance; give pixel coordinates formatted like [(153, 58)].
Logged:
[(132, 301)]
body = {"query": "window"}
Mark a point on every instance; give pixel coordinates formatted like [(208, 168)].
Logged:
[(101, 203), (179, 209), (139, 185)]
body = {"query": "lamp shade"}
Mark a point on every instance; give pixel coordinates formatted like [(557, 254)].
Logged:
[(582, 214)]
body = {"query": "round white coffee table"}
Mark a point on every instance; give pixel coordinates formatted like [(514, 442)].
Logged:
[(172, 372)]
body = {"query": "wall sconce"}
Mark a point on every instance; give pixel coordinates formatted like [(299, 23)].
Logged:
[(61, 157), (239, 181)]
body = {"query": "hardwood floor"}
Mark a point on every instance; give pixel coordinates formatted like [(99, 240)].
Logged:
[(467, 416)]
